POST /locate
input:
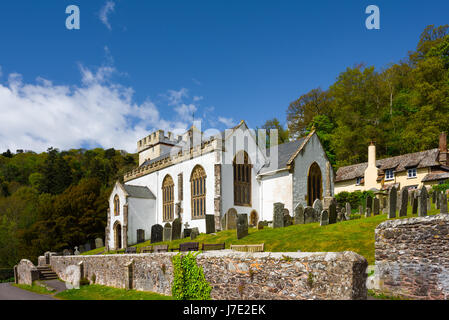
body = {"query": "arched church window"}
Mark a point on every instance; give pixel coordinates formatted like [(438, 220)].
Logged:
[(242, 179), (198, 188), (168, 205), (116, 205)]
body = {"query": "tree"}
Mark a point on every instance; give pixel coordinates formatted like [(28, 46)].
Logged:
[(274, 124)]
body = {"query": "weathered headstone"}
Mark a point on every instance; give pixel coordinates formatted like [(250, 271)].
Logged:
[(348, 208), (376, 206), (299, 214), (288, 221), (343, 214), (318, 206), (429, 206), (384, 205), (278, 215), (392, 199), (332, 213), (156, 233), (360, 210), (324, 219), (422, 202), (443, 203), (404, 202), (415, 202), (99, 243), (260, 225), (434, 196), (309, 215), (166, 235), (187, 232), (231, 219), (210, 223), (223, 222), (438, 200), (176, 229), (368, 213), (87, 246), (66, 252), (194, 234), (242, 226), (369, 203)]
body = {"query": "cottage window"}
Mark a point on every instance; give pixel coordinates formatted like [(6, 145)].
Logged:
[(116, 205), (359, 181), (168, 206), (198, 190), (411, 173), (389, 174), (242, 180)]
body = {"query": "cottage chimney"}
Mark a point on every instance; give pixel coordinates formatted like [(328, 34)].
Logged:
[(372, 155), (443, 157), (371, 170)]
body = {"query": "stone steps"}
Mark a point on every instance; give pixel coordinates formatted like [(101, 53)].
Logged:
[(46, 273)]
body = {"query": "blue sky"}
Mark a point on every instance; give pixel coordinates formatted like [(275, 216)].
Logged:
[(142, 65)]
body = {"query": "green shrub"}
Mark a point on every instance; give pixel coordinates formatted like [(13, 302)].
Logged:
[(441, 187), (356, 198), (84, 282), (189, 282)]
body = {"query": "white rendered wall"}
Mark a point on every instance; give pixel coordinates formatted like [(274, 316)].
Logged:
[(276, 188), (141, 215)]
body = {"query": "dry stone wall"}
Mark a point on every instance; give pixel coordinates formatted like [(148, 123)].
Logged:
[(412, 257), (234, 275)]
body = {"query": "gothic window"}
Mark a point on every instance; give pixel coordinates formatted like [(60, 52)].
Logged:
[(242, 180), (168, 207), (116, 205), (198, 189)]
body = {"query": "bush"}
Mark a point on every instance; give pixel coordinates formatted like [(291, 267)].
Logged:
[(84, 282), (441, 187), (356, 198), (189, 282)]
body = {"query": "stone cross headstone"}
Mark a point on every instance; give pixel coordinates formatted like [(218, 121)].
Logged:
[(242, 226), (278, 215), (392, 199), (176, 229), (376, 206), (299, 214), (324, 219), (332, 213), (404, 202), (156, 233), (166, 235), (210, 223), (231, 219), (76, 253), (318, 206), (194, 234), (309, 215), (443, 203), (99, 243), (422, 202)]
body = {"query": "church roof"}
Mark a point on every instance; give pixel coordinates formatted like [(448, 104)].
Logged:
[(139, 192), (423, 159), (285, 152)]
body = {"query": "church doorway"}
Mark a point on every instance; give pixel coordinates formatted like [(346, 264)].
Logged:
[(314, 184), (118, 236)]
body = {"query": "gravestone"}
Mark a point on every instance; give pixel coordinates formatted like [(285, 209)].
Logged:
[(231, 219), (260, 225), (332, 213), (176, 229), (434, 196), (309, 215), (156, 233), (166, 235), (343, 214), (422, 202), (223, 222), (288, 221), (348, 208), (66, 252), (299, 214), (384, 205), (194, 234), (404, 202), (210, 223), (392, 199), (368, 213), (187, 232), (429, 206), (369, 203), (318, 206), (99, 243), (242, 226), (87, 246), (278, 215), (324, 219), (438, 200), (360, 210), (443, 203), (76, 253), (376, 206), (415, 202)]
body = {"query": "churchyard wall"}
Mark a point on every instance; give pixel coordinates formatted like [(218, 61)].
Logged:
[(412, 257), (233, 275)]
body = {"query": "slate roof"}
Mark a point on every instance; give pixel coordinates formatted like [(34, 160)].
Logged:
[(285, 152), (423, 159), (139, 192), (436, 176)]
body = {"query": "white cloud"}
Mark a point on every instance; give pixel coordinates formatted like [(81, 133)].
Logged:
[(1, 71), (40, 115), (176, 97), (197, 98), (107, 9), (229, 122)]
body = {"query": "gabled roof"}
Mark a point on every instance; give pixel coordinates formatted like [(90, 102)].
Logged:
[(285, 152), (138, 192), (423, 159)]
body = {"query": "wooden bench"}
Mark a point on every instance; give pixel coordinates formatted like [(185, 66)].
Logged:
[(161, 248), (130, 250), (189, 246), (217, 246), (248, 247), (148, 249)]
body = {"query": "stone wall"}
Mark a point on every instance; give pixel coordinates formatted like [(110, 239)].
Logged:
[(412, 258), (235, 275), (26, 272)]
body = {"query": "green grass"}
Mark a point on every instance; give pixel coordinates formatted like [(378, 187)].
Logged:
[(354, 235), (94, 251), (382, 296), (97, 292), (34, 288)]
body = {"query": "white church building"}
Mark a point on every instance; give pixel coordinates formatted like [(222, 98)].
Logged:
[(189, 176)]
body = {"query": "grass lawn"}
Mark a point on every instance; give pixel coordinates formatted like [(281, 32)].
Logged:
[(97, 292), (34, 288), (354, 235)]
